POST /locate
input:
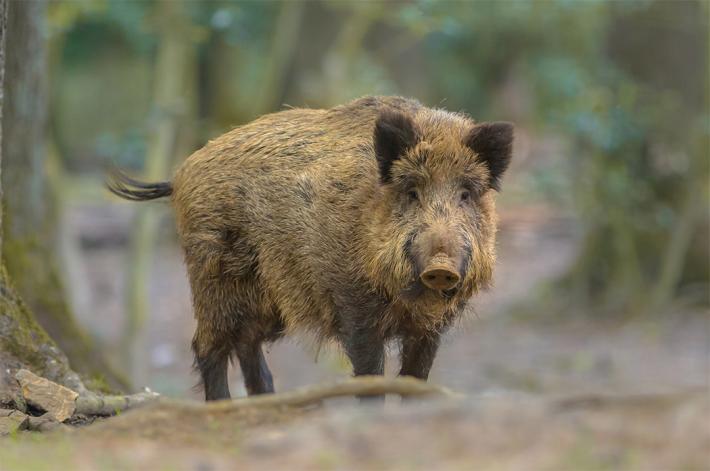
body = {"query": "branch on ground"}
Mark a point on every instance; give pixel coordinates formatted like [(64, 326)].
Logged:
[(308, 395), (61, 403)]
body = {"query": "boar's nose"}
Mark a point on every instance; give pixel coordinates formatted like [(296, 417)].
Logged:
[(440, 274)]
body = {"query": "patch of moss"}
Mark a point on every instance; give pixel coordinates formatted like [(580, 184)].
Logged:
[(36, 276), (20, 335), (25, 344), (97, 383)]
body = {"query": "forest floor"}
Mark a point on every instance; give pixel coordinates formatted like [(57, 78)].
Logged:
[(542, 392), (665, 432)]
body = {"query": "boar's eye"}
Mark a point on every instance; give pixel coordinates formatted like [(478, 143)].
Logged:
[(465, 196), (412, 196)]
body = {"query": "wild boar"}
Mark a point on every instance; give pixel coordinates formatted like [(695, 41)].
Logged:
[(368, 222)]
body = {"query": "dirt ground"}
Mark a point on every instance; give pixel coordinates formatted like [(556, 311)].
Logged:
[(568, 394), (642, 432)]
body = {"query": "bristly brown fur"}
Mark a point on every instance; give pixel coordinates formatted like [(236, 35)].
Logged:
[(300, 220)]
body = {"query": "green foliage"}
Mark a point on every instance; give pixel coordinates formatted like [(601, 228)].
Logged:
[(621, 84)]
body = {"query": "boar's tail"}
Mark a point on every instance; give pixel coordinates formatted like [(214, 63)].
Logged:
[(124, 186)]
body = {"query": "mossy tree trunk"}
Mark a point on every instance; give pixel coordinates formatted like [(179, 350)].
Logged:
[(23, 343), (30, 211)]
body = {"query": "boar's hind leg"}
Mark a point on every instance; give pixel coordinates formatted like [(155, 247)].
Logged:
[(257, 377), (211, 359), (418, 355)]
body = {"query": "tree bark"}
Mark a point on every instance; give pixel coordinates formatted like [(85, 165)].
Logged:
[(23, 343), (3, 28), (31, 214)]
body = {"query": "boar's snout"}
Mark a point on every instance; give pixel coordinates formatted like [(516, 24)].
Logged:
[(440, 274)]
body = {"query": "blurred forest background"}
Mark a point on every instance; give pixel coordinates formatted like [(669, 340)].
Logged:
[(604, 247)]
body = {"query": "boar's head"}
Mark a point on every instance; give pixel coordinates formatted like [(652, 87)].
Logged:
[(432, 227)]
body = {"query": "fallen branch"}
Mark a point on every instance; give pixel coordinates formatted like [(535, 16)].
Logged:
[(93, 404), (61, 403), (360, 386)]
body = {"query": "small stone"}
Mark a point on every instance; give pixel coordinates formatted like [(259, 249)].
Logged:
[(58, 401), (43, 423), (13, 422)]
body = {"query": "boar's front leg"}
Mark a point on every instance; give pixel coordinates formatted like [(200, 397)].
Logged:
[(365, 348), (418, 354), (362, 340), (360, 337)]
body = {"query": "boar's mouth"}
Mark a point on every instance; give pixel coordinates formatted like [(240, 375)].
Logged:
[(416, 289)]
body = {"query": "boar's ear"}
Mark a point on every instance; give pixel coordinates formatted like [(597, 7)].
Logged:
[(493, 143), (394, 134)]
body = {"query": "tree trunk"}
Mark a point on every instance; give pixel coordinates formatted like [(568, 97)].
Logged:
[(174, 93), (31, 215), (23, 343), (284, 42)]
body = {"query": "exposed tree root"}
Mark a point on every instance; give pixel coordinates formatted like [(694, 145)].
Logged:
[(91, 404), (360, 386)]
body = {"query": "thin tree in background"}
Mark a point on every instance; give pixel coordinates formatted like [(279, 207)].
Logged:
[(174, 93), (283, 45), (643, 190), (31, 211)]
